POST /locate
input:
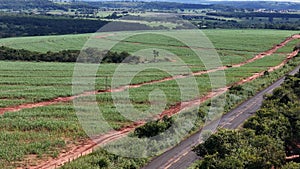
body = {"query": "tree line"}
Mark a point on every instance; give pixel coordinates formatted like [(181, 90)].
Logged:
[(28, 25), (265, 140), (14, 25), (247, 22), (232, 24), (30, 4), (89, 55), (253, 14)]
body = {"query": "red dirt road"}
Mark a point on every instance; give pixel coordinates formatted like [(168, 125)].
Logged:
[(87, 147), (103, 36), (44, 103)]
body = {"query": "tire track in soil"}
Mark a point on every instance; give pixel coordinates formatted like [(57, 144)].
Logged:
[(87, 146)]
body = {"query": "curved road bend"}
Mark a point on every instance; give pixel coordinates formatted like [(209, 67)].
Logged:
[(182, 156)]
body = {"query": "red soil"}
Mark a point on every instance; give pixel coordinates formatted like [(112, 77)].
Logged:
[(292, 157), (103, 36), (86, 147)]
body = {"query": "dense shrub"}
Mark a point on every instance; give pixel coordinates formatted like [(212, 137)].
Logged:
[(154, 128)]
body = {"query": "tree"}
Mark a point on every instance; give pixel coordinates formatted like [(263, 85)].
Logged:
[(240, 149), (155, 55), (153, 128)]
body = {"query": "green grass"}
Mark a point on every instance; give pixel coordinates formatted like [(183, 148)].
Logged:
[(252, 40), (268, 61), (46, 43), (42, 132), (23, 82), (247, 40), (103, 159), (289, 47)]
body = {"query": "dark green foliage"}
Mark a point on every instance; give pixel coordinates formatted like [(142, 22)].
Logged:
[(25, 55), (93, 55), (235, 89), (113, 16), (240, 149), (89, 55), (115, 57), (249, 20), (30, 25), (29, 4), (153, 128), (269, 22), (269, 122), (266, 73), (216, 144), (101, 162), (279, 116), (155, 5), (269, 5), (233, 24), (254, 14)]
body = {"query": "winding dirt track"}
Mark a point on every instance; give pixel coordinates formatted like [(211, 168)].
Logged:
[(88, 145)]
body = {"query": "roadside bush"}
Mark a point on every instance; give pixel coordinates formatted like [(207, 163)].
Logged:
[(153, 128)]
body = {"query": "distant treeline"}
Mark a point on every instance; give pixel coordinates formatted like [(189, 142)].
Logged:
[(253, 14), (231, 24), (245, 22), (48, 5), (29, 4), (89, 55), (26, 55), (26, 25), (158, 5), (14, 25)]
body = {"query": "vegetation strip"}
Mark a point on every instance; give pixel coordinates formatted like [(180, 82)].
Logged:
[(114, 135), (269, 139)]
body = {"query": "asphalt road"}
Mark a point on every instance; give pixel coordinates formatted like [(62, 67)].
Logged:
[(182, 156)]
